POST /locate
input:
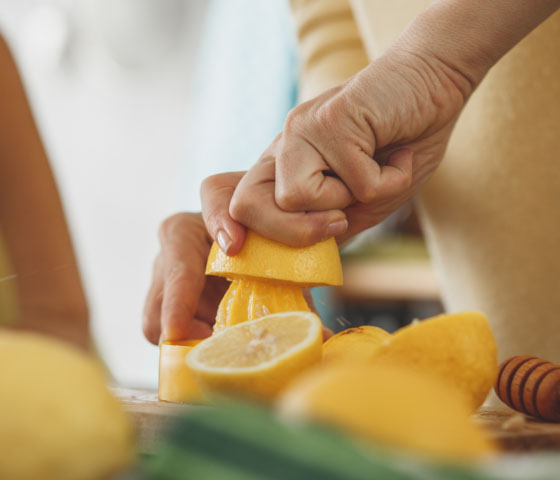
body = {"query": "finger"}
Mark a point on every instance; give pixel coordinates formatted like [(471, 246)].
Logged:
[(304, 181), (396, 176), (199, 330), (151, 324), (347, 148), (369, 181), (309, 299), (181, 292), (359, 171), (215, 193), (254, 206), (327, 333), (394, 190), (214, 290)]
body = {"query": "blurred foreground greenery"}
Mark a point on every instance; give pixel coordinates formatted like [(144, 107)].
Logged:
[(247, 442)]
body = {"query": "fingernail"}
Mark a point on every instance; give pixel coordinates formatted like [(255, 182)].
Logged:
[(337, 228), (224, 241)]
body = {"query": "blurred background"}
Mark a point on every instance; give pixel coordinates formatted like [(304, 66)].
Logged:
[(137, 101)]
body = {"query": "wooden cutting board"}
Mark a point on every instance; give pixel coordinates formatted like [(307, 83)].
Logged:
[(513, 431)]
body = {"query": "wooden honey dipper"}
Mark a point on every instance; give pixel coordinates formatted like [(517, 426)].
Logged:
[(531, 386)]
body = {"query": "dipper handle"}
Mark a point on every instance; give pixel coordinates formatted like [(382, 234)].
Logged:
[(531, 386)]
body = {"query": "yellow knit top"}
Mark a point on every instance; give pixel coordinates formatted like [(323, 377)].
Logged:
[(491, 212)]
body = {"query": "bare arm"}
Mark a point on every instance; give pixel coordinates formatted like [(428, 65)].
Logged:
[(32, 220), (400, 110), (469, 36)]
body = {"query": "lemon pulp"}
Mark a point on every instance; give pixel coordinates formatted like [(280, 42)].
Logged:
[(257, 358), (249, 299)]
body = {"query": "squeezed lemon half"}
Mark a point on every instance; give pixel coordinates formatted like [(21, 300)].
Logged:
[(268, 277)]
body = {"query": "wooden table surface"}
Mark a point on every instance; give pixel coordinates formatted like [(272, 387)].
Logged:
[(511, 430)]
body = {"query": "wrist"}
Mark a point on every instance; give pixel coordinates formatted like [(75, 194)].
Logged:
[(467, 37), (410, 87), (431, 40)]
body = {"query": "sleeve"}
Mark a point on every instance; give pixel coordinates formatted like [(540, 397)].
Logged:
[(330, 46), (35, 236)]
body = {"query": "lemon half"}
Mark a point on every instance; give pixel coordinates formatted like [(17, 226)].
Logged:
[(257, 358), (261, 258)]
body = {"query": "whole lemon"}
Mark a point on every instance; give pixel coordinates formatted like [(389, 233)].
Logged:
[(59, 421), (356, 344), (389, 405), (458, 348)]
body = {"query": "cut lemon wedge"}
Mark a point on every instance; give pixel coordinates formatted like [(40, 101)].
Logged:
[(176, 383), (257, 358)]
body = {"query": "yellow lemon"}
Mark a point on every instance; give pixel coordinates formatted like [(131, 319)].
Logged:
[(261, 258), (251, 299), (59, 420), (458, 348), (267, 277), (354, 344), (388, 405), (257, 358), (176, 383)]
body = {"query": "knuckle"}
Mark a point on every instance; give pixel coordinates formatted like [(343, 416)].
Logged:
[(210, 182), (329, 115), (213, 221), (166, 227), (181, 276), (150, 329), (402, 183), (364, 191), (295, 118), (176, 271), (311, 233), (178, 224), (293, 197), (240, 208)]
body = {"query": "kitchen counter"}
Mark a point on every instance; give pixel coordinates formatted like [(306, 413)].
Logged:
[(513, 432)]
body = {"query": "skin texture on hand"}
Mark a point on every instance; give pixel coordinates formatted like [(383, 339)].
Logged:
[(364, 148), (347, 154)]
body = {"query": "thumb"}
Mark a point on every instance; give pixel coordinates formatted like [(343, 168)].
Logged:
[(215, 194)]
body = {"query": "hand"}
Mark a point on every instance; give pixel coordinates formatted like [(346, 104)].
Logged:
[(182, 301), (358, 151)]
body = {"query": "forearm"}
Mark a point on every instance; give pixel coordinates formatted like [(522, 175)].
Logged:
[(469, 36)]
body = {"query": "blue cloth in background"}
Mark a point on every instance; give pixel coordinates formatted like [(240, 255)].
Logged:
[(245, 84)]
